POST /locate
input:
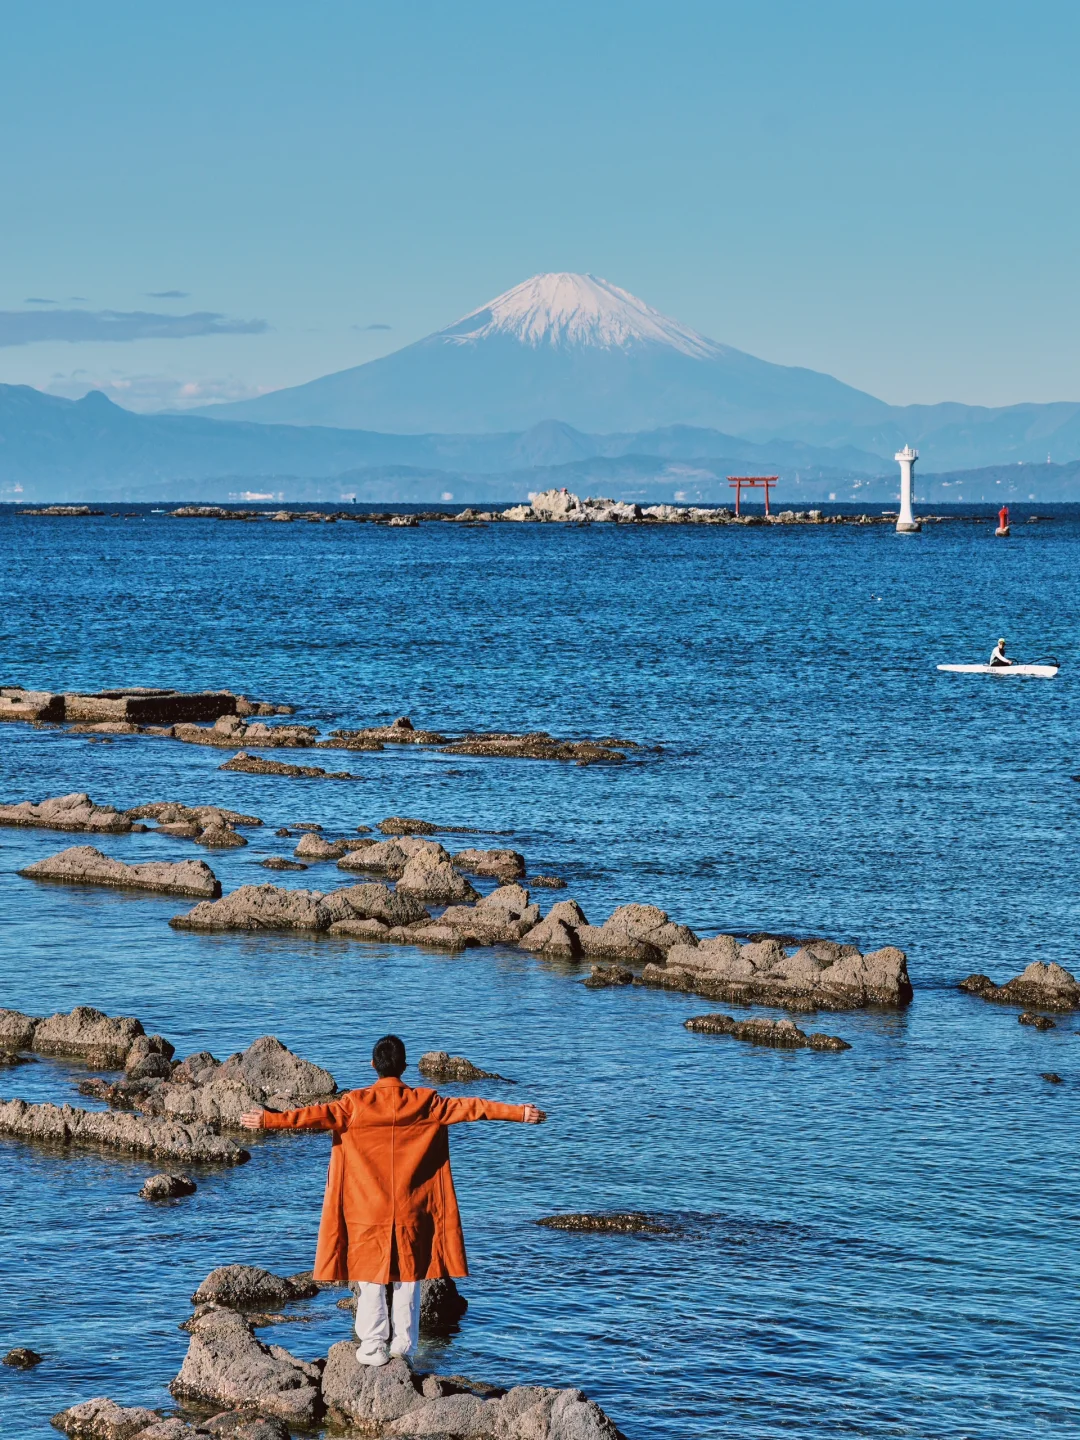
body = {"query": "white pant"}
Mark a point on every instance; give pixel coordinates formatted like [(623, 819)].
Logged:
[(374, 1327)]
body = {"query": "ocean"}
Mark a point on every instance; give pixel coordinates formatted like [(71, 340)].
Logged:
[(875, 1243)]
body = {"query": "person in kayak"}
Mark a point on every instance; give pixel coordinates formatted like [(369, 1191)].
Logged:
[(999, 657)]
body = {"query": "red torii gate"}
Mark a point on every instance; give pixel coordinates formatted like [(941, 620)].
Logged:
[(752, 482)]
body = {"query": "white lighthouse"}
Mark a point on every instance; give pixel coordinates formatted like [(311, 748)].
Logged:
[(907, 458)]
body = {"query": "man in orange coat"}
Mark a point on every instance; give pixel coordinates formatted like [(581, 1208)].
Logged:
[(389, 1213)]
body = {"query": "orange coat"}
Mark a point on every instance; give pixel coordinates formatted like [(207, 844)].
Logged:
[(390, 1212)]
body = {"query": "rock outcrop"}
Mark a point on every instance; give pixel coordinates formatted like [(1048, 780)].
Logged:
[(1039, 1022), (314, 847), (429, 875), (267, 1075), (103, 1419), (497, 864), (376, 857), (392, 1400), (160, 1138), (227, 1365), (246, 1287), (231, 731), (634, 933), (80, 1034), (256, 765), (820, 975), (401, 732), (604, 977), (261, 907), (1046, 987), (67, 812), (209, 825), (167, 1187), (501, 918), (781, 1034), (84, 865), (441, 1066)]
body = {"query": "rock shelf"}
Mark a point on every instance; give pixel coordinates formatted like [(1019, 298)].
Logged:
[(821, 975), (538, 745), (781, 1034), (1040, 986), (83, 865), (247, 764), (163, 1139)]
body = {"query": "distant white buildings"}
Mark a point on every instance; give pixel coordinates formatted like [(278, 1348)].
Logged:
[(907, 458)]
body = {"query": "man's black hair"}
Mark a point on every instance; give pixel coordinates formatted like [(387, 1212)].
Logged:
[(388, 1057)]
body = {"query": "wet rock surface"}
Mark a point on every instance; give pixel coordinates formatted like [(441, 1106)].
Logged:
[(620, 1222), (167, 1187), (256, 765), (22, 1358), (441, 1066), (409, 825), (781, 1034), (160, 1138), (1041, 986), (820, 975), (401, 732), (84, 865), (246, 1287), (278, 862), (546, 882), (603, 977), (103, 1419), (1040, 1022)]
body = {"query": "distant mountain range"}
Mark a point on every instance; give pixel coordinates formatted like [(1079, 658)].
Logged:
[(644, 409), (578, 349)]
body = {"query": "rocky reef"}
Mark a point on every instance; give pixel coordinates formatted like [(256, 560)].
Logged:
[(781, 1034), (1041, 986), (208, 825), (63, 1125), (820, 975), (247, 764), (83, 865), (616, 1222)]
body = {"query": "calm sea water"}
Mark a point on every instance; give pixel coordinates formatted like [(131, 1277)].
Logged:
[(879, 1243)]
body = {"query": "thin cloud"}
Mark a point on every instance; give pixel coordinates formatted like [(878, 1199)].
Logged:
[(168, 294), (372, 327), (38, 300), (28, 327)]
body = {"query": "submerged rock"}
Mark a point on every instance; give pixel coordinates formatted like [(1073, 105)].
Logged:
[(277, 862), (257, 765), (1051, 1077), (401, 732), (781, 1034), (1040, 1022), (163, 1139), (22, 1358), (620, 1222), (538, 745), (84, 865), (246, 1287), (1046, 987), (438, 1065), (546, 882), (821, 975), (603, 976), (167, 1187), (227, 1364), (67, 812)]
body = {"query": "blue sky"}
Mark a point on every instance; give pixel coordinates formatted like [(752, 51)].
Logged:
[(885, 192)]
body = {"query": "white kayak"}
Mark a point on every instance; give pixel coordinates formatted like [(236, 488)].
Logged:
[(1045, 672)]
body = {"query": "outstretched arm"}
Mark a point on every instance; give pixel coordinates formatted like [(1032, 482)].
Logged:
[(456, 1110), (310, 1117)]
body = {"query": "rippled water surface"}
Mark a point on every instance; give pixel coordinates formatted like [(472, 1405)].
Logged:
[(878, 1243)]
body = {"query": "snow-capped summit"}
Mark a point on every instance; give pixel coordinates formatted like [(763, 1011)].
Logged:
[(569, 348), (563, 310)]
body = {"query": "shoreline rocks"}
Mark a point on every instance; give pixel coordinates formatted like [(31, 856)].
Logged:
[(84, 865), (81, 1034), (781, 1034), (67, 812), (163, 1139), (821, 975), (495, 864), (1039, 986), (226, 1364), (247, 1287)]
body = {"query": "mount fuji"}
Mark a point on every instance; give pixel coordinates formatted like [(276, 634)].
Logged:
[(577, 349)]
